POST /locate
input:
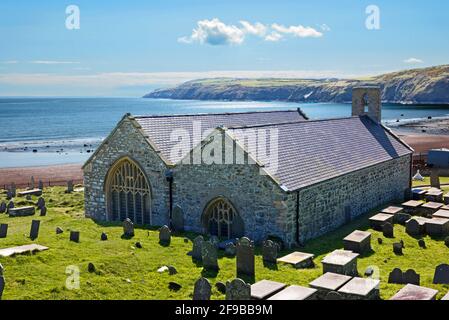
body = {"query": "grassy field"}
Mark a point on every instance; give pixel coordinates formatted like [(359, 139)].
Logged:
[(125, 272), (426, 182)]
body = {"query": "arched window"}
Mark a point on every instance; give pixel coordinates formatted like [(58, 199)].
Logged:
[(222, 220), (365, 102), (128, 193)]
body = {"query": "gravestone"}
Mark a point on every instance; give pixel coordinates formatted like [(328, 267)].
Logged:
[(435, 178), (202, 289), (3, 230), (32, 183), (388, 230), (197, 248), (75, 236), (397, 248), (69, 186), (28, 197), (270, 251), (230, 249), (396, 276), (104, 236), (441, 274), (411, 277), (2, 281), (40, 203), (13, 189), (215, 241), (422, 243), (43, 211), (59, 230), (358, 241), (333, 296), (245, 257), (3, 207), (22, 211), (34, 232), (238, 289), (10, 206), (128, 228), (209, 256), (178, 219), (164, 235), (40, 185), (412, 227), (8, 195)]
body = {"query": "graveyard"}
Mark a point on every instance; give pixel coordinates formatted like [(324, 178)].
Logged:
[(127, 267)]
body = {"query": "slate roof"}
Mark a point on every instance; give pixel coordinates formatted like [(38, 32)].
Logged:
[(313, 151), (160, 127)]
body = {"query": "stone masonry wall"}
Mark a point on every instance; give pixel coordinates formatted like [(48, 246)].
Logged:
[(322, 206)]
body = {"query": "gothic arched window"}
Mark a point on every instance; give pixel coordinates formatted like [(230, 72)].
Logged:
[(222, 220)]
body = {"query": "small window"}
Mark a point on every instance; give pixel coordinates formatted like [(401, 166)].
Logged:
[(365, 102)]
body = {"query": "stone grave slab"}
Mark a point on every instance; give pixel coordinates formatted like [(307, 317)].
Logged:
[(430, 208), (358, 241), (412, 207), (22, 211), (379, 220), (416, 225), (298, 259), (342, 262), (388, 230), (393, 210), (418, 194), (32, 192), (295, 293), (441, 275), (445, 207), (329, 282), (360, 289), (413, 292), (446, 297), (265, 288), (437, 227), (434, 195), (7, 252), (441, 214)]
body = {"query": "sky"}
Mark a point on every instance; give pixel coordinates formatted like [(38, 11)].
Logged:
[(128, 48)]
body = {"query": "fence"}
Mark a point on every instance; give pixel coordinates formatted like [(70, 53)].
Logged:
[(47, 183)]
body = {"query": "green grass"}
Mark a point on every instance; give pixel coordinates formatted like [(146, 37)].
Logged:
[(426, 182), (42, 275)]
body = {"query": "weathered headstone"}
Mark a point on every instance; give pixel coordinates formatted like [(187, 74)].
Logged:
[(69, 186), (3, 207), (40, 185), (333, 296), (270, 251), (10, 206), (91, 267), (59, 230), (178, 219), (215, 241), (13, 189), (245, 257), (202, 289), (435, 178), (75, 236), (422, 243), (43, 211), (128, 228), (32, 183), (197, 248), (413, 227), (34, 232), (441, 274), (138, 245), (3, 230), (104, 236), (388, 230), (164, 235), (397, 248), (411, 277), (172, 270), (396, 276), (8, 195), (209, 256), (40, 203), (238, 289), (230, 249)]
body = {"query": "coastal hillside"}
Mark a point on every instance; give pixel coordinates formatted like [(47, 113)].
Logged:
[(417, 86)]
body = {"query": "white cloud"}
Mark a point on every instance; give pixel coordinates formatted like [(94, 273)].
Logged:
[(413, 61), (214, 32), (325, 27), (257, 29), (274, 36), (10, 62), (297, 31), (53, 62)]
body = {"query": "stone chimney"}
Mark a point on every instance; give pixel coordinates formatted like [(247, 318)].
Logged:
[(367, 101)]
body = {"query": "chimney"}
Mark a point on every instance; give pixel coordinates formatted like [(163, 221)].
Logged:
[(366, 101)]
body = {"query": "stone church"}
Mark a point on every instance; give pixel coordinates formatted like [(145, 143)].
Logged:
[(255, 174)]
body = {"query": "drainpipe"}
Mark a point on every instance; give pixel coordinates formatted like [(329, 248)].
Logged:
[(169, 178), (297, 217)]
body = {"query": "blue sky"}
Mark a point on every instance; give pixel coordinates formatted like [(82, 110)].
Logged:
[(127, 48)]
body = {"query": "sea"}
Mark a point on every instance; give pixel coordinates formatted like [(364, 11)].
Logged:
[(50, 131)]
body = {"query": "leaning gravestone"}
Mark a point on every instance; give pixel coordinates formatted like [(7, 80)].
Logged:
[(441, 274), (209, 256), (75, 236), (270, 251), (34, 232), (238, 289), (388, 230), (164, 235), (2, 281), (411, 277), (396, 276), (202, 289), (178, 219), (245, 257), (3, 230), (40, 203), (128, 228), (197, 248), (3, 207), (43, 211)]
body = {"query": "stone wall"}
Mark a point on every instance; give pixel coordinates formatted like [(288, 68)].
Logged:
[(323, 207), (126, 141)]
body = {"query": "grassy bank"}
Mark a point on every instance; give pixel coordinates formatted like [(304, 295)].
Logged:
[(125, 272)]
